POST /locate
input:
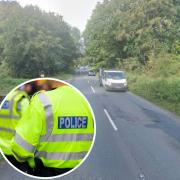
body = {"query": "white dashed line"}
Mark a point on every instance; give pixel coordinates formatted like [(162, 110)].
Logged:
[(110, 120), (88, 81), (93, 90)]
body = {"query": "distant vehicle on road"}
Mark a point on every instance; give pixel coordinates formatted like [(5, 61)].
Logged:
[(91, 73), (82, 70), (114, 80)]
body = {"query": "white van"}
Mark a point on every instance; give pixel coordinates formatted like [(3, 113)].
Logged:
[(114, 80)]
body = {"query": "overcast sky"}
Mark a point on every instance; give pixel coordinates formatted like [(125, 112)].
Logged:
[(75, 12)]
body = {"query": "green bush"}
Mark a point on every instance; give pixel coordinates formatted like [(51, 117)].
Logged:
[(164, 92)]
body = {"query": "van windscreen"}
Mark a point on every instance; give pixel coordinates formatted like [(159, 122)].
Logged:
[(115, 75)]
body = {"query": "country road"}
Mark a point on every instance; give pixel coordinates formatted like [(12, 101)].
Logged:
[(135, 139)]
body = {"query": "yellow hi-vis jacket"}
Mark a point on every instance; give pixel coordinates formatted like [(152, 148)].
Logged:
[(10, 113), (58, 128)]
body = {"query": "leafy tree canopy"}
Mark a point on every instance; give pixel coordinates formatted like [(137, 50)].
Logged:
[(32, 41), (124, 30)]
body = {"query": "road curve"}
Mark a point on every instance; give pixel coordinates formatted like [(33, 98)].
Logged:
[(135, 139)]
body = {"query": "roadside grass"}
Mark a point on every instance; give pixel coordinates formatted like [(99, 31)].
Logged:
[(7, 84), (164, 92)]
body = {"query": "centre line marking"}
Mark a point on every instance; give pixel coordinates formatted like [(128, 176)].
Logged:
[(88, 81), (93, 90), (110, 120)]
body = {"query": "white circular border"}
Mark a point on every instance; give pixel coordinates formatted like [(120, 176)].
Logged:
[(92, 145)]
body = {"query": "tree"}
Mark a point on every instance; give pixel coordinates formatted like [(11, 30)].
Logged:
[(121, 30), (32, 41)]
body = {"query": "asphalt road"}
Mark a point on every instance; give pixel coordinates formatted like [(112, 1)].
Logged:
[(135, 139)]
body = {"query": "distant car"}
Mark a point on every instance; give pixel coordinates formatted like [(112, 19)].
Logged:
[(91, 73), (83, 70), (114, 80)]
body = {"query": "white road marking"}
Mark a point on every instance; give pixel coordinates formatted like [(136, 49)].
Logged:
[(88, 81), (93, 90), (110, 120)]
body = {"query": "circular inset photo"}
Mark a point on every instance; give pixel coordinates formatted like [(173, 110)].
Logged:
[(47, 128)]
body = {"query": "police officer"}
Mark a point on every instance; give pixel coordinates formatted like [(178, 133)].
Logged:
[(11, 111), (57, 131)]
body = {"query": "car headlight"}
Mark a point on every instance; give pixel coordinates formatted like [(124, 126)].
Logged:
[(108, 83), (125, 83)]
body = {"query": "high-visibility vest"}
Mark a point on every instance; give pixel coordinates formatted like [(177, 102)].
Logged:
[(58, 128), (10, 114)]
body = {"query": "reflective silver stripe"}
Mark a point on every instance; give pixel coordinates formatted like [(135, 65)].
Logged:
[(9, 117), (48, 114), (7, 129), (12, 103), (25, 145), (68, 137), (19, 157), (61, 155)]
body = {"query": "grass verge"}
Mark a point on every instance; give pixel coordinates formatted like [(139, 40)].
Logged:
[(8, 83), (161, 91)]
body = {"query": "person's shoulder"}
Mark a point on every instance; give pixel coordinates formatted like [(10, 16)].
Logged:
[(66, 88), (59, 89), (35, 96)]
